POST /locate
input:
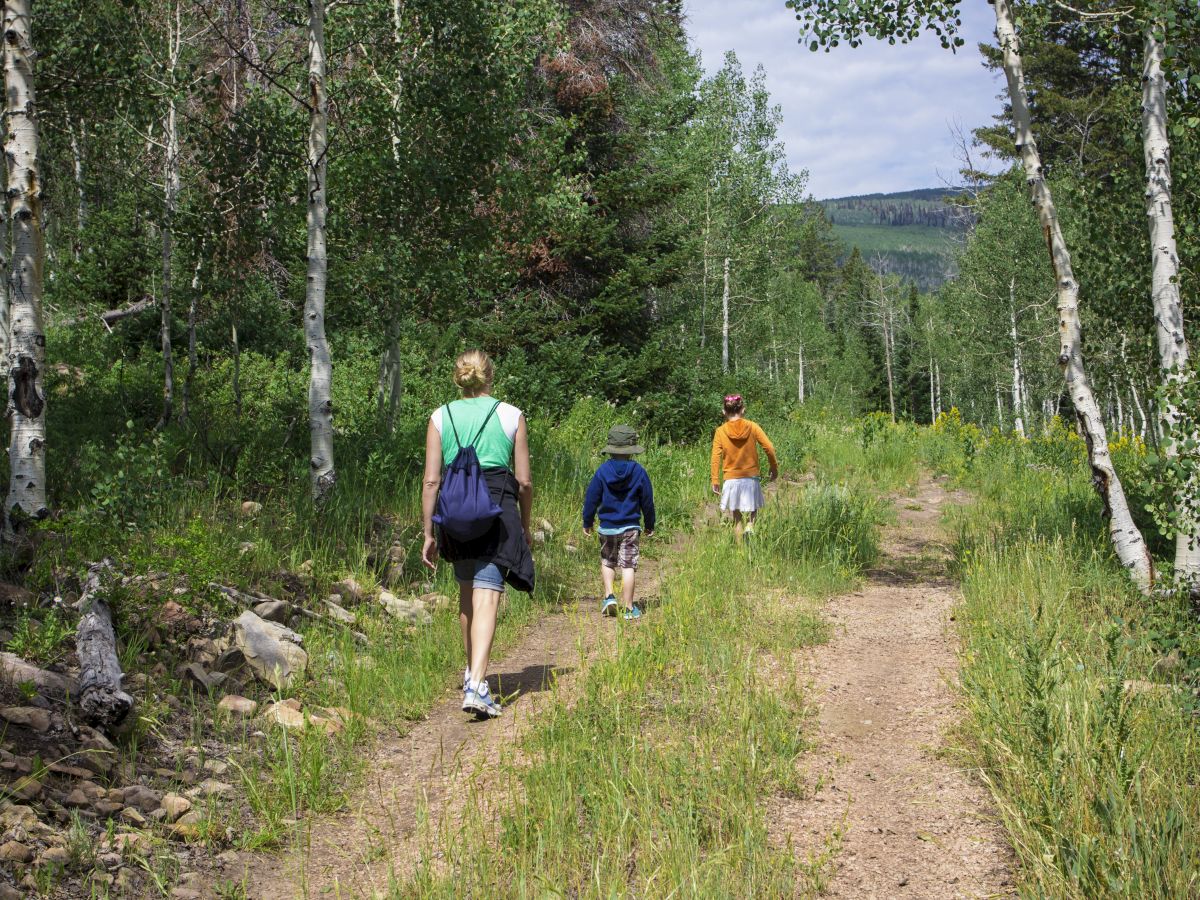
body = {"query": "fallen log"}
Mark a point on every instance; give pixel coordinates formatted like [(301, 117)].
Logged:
[(111, 317), (16, 672), (101, 697)]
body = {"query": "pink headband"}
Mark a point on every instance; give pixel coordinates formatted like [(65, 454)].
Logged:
[(733, 400)]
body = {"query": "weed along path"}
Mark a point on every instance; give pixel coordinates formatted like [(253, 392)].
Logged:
[(912, 823), (415, 796)]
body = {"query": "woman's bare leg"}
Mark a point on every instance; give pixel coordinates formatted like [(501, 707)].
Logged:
[(465, 613), (483, 628)]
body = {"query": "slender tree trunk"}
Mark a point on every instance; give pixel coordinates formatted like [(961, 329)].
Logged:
[(937, 369), (81, 195), (704, 276), (1126, 538), (725, 320), (1164, 281), (27, 340), (391, 380), (932, 395), (800, 375), (170, 202), (1120, 415), (237, 370), (193, 301), (1017, 400), (320, 401), (887, 358)]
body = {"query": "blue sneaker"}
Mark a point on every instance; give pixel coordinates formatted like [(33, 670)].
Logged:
[(632, 614), (479, 700), (608, 606)]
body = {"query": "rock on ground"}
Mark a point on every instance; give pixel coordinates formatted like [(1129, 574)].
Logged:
[(272, 650)]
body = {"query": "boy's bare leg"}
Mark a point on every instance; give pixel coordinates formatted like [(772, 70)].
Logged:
[(485, 605), (627, 577), (607, 575)]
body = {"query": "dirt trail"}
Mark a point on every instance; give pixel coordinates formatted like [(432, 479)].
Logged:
[(912, 824), (426, 773)]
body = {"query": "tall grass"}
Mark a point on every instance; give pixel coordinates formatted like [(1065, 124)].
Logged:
[(1088, 743), (648, 779)]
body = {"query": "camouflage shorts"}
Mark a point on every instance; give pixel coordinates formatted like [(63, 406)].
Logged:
[(620, 551)]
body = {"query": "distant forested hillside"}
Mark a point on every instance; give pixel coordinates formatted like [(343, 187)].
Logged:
[(911, 233)]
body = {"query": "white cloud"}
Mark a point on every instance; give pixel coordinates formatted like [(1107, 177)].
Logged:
[(872, 118)]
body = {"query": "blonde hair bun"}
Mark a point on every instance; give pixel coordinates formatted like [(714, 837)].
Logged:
[(473, 370)]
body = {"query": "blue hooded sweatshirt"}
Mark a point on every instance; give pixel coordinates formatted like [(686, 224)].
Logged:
[(620, 491)]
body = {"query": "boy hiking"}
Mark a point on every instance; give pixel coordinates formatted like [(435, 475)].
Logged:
[(735, 449), (620, 492)]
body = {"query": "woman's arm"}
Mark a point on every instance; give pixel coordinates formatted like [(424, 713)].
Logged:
[(524, 477), (429, 491)]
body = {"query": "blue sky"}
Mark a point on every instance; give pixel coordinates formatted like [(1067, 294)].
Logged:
[(872, 118)]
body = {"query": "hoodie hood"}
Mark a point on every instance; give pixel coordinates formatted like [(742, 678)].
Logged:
[(738, 429), (617, 475)]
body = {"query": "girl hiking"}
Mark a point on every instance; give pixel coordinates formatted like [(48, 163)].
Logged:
[(479, 492), (735, 448)]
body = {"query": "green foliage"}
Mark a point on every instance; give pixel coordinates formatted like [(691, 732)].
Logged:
[(1083, 742), (41, 637)]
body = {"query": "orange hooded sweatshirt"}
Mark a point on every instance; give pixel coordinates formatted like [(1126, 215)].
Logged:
[(736, 443)]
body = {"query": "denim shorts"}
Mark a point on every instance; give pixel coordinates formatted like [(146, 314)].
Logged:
[(479, 573)]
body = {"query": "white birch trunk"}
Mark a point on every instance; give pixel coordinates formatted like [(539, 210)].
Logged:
[(932, 395), (27, 340), (1126, 538), (725, 320), (193, 300), (704, 276), (887, 356), (1120, 415), (320, 401), (170, 202), (1017, 376), (81, 196), (800, 373), (1164, 284), (937, 369), (391, 381), (999, 408)]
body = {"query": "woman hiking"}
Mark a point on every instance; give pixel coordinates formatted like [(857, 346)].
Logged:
[(735, 448), (483, 533)]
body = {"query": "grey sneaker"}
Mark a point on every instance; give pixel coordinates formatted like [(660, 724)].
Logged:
[(480, 701)]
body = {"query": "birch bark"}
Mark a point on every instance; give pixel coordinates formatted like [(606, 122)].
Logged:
[(932, 395), (193, 300), (320, 401), (800, 376), (170, 202), (1018, 401), (725, 320), (27, 340), (391, 380), (1164, 284), (1126, 538)]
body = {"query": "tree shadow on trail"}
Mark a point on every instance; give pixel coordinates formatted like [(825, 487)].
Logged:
[(530, 680)]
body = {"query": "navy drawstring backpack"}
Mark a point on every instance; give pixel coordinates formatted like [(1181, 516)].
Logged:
[(465, 508)]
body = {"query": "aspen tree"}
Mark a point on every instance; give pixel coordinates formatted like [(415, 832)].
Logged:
[(27, 339), (320, 401)]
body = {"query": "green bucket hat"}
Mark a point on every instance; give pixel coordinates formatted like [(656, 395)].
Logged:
[(622, 441)]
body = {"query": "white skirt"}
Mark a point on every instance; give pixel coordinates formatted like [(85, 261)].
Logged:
[(742, 494)]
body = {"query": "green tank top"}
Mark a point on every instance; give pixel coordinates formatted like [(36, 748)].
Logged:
[(493, 447)]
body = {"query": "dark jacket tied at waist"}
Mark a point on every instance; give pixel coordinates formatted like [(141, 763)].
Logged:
[(505, 543)]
